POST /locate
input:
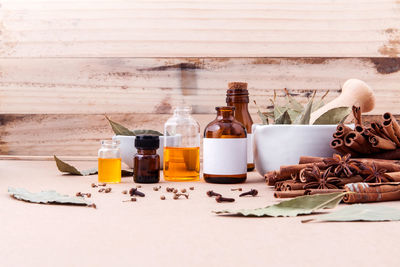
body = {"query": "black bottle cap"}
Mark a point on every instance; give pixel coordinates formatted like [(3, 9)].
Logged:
[(147, 142)]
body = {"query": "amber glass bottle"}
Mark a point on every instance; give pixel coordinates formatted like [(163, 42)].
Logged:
[(238, 96), (225, 149)]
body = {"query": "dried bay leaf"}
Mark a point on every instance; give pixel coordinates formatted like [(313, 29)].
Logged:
[(284, 118), (333, 116), (290, 208), (293, 103), (362, 212), (304, 117), (46, 197), (119, 129), (67, 168), (147, 132)]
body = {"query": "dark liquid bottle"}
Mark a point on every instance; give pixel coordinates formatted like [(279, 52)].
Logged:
[(225, 149), (238, 96), (146, 161)]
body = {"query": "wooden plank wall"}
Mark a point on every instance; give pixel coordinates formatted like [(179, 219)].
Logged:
[(64, 64)]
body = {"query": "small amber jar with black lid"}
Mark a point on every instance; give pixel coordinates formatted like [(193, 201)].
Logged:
[(146, 162)]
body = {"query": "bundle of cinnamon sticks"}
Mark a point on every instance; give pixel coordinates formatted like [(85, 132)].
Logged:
[(316, 175), (379, 140)]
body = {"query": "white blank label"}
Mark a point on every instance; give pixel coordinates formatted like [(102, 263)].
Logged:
[(224, 156)]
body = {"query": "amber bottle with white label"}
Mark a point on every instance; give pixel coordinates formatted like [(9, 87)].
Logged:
[(225, 149), (238, 96)]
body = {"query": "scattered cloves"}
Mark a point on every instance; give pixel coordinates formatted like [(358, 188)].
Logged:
[(125, 192), (183, 190), (101, 190), (236, 189), (212, 194), (169, 189), (102, 184), (175, 191), (252, 192), (162, 197), (135, 192), (220, 199), (156, 188), (177, 195), (107, 190), (191, 188), (132, 199), (92, 206), (93, 185)]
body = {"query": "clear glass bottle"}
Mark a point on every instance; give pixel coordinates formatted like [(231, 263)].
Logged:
[(225, 149), (181, 147), (238, 96), (146, 161), (109, 162)]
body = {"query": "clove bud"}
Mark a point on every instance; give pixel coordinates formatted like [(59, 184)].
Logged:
[(135, 192), (177, 195), (236, 189), (220, 199), (252, 192), (212, 194)]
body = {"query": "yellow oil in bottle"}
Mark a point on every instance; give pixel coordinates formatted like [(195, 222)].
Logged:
[(109, 170), (181, 163)]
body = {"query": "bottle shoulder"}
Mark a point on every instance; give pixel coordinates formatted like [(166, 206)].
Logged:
[(225, 129)]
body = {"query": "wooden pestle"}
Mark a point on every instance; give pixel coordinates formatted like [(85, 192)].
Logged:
[(354, 92)]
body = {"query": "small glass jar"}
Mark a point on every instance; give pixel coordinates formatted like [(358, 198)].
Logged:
[(225, 149), (146, 161), (109, 162), (182, 147)]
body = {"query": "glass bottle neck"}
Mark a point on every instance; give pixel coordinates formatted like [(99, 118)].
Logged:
[(225, 114), (147, 151)]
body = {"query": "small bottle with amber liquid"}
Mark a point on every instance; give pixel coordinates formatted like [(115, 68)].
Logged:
[(181, 147), (146, 161), (238, 96), (225, 149), (109, 162)]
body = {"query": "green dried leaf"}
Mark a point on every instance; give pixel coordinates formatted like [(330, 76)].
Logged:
[(263, 117), (119, 129), (362, 212), (293, 103), (289, 208), (284, 118), (147, 132), (293, 114), (46, 197), (333, 116), (304, 118), (320, 103), (67, 168)]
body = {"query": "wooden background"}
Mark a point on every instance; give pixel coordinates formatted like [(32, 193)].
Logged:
[(64, 64)]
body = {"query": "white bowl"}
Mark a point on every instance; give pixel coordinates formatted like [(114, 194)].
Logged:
[(277, 145)]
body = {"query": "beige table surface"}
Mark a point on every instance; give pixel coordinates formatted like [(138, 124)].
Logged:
[(151, 232)]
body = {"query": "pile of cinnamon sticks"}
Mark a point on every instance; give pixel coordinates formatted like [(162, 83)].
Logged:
[(379, 140), (369, 179)]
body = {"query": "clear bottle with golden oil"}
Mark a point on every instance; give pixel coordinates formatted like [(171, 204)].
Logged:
[(182, 147), (109, 162)]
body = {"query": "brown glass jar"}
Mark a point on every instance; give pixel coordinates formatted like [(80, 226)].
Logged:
[(225, 149), (146, 162), (238, 96)]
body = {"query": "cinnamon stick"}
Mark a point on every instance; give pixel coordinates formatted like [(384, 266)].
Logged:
[(381, 143), (289, 170), (357, 142), (350, 180), (322, 191), (364, 192), (289, 194), (389, 131), (387, 155), (338, 145), (396, 127), (291, 185), (273, 176), (341, 131)]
